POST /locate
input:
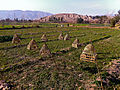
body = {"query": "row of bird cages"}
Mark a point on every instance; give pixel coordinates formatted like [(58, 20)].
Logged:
[(88, 54), (16, 38)]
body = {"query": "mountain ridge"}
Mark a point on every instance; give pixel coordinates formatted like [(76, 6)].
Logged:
[(20, 14)]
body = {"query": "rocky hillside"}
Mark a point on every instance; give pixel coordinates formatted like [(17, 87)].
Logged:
[(68, 18)]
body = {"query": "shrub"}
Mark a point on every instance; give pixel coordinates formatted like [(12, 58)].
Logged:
[(80, 20), (114, 20), (6, 38)]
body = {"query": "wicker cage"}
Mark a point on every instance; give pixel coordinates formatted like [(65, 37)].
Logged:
[(44, 38), (16, 39), (75, 44), (88, 54), (32, 45), (88, 57)]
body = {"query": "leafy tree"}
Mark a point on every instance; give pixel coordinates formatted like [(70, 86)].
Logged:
[(112, 22), (116, 19), (80, 20)]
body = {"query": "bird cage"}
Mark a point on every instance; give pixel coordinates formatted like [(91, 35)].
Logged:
[(44, 38), (61, 37), (75, 44), (67, 37), (44, 52), (32, 45), (62, 25), (16, 39), (88, 54)]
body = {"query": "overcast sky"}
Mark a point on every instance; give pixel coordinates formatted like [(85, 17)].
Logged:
[(89, 7)]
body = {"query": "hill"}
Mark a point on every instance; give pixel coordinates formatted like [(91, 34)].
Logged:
[(68, 18), (22, 14)]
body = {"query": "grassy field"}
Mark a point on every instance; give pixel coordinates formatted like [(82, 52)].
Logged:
[(25, 69)]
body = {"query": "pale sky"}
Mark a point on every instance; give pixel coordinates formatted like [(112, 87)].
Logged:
[(89, 7)]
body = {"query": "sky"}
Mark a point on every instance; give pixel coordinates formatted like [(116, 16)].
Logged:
[(84, 7)]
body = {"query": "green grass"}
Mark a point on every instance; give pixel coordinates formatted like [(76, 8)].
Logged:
[(98, 25), (81, 24), (25, 69)]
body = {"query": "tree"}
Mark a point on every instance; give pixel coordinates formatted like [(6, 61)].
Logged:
[(80, 20), (119, 12), (112, 22), (115, 19)]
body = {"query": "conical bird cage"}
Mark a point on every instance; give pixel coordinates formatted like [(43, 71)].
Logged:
[(67, 37), (32, 45), (45, 51), (44, 38), (16, 39), (61, 37), (88, 54), (75, 44)]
